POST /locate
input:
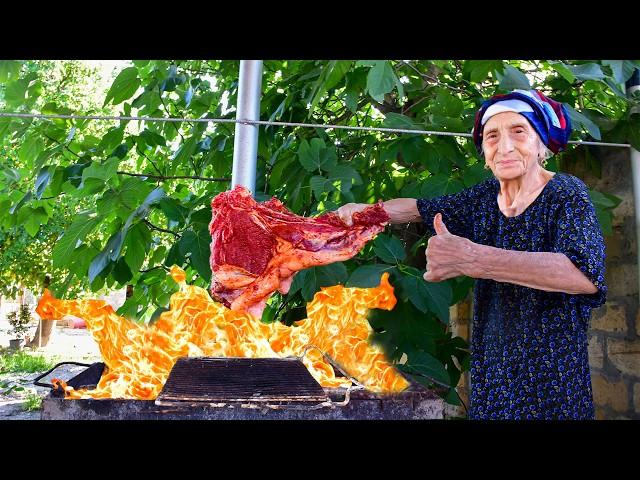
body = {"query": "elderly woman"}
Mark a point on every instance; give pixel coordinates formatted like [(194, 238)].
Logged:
[(531, 238)]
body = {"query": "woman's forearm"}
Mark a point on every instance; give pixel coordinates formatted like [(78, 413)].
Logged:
[(402, 210), (552, 272)]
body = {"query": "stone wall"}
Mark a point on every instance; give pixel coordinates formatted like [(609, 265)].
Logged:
[(614, 342)]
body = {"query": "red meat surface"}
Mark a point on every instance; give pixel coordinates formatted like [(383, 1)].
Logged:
[(256, 248)]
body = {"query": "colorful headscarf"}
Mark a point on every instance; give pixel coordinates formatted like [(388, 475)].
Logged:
[(549, 118)]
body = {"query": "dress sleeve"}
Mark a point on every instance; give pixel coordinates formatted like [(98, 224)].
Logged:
[(579, 237), (456, 212)]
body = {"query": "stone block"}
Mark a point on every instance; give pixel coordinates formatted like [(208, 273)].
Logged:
[(622, 279), (596, 353), (612, 318), (625, 356), (609, 394)]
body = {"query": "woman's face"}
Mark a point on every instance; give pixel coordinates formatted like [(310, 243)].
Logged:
[(511, 146)]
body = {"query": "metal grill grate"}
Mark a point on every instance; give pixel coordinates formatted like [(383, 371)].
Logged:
[(215, 380)]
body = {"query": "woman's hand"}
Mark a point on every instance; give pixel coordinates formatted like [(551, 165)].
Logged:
[(448, 255), (346, 211)]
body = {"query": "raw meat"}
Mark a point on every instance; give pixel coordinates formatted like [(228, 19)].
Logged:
[(256, 248)]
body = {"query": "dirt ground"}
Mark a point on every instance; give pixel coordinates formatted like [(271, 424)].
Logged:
[(65, 344)]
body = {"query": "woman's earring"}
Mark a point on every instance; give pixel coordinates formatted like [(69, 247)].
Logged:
[(486, 167)]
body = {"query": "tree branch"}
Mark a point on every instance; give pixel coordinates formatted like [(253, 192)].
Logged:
[(166, 269), (151, 225)]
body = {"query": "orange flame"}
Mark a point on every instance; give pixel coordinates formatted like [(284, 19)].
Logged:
[(139, 358)]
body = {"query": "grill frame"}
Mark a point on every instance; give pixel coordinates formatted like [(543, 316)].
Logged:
[(414, 403)]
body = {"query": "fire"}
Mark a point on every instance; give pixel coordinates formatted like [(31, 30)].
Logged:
[(139, 358)]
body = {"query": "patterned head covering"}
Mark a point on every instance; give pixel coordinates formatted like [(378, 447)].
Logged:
[(549, 118)]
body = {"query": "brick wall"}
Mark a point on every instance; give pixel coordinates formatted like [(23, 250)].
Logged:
[(614, 344)]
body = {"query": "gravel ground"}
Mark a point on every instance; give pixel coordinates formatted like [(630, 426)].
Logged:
[(65, 344)]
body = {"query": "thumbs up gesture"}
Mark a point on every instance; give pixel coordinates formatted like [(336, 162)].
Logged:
[(447, 255)]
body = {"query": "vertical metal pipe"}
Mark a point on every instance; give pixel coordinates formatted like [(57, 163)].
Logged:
[(245, 145), (633, 84)]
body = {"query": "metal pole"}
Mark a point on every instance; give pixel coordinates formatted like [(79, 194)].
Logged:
[(633, 84), (245, 145)]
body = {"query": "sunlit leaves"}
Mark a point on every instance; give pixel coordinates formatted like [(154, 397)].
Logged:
[(124, 86)]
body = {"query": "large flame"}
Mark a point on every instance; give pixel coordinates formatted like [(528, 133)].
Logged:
[(139, 358)]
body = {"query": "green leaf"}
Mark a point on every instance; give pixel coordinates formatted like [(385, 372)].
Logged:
[(153, 139), (514, 78), (137, 245), (34, 220), (30, 149), (579, 120), (310, 280), (428, 296), (188, 96), (416, 151), (103, 171), (316, 156), (477, 71), (14, 92), (389, 248), (124, 86), (618, 70), (368, 276), (425, 364), (447, 105), (22, 201), (77, 232), (185, 152), (405, 329), (111, 139), (154, 197), (475, 174), (174, 210), (338, 71), (587, 71), (174, 257), (9, 70), (42, 180), (440, 184), (197, 244), (564, 71), (124, 199), (381, 80), (396, 120), (11, 174), (109, 253), (201, 217), (121, 272), (346, 174), (320, 185), (604, 200), (5, 127)]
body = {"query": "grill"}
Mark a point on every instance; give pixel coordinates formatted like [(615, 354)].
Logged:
[(206, 388), (220, 380)]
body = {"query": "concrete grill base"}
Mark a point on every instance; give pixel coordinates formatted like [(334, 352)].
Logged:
[(409, 405), (195, 379)]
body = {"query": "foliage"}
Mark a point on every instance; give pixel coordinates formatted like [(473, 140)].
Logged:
[(127, 212), (21, 361), (20, 320), (32, 401)]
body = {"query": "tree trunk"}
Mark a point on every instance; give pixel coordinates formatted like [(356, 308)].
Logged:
[(45, 327)]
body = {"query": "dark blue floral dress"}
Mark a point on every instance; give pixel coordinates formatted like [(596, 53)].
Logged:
[(529, 347)]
